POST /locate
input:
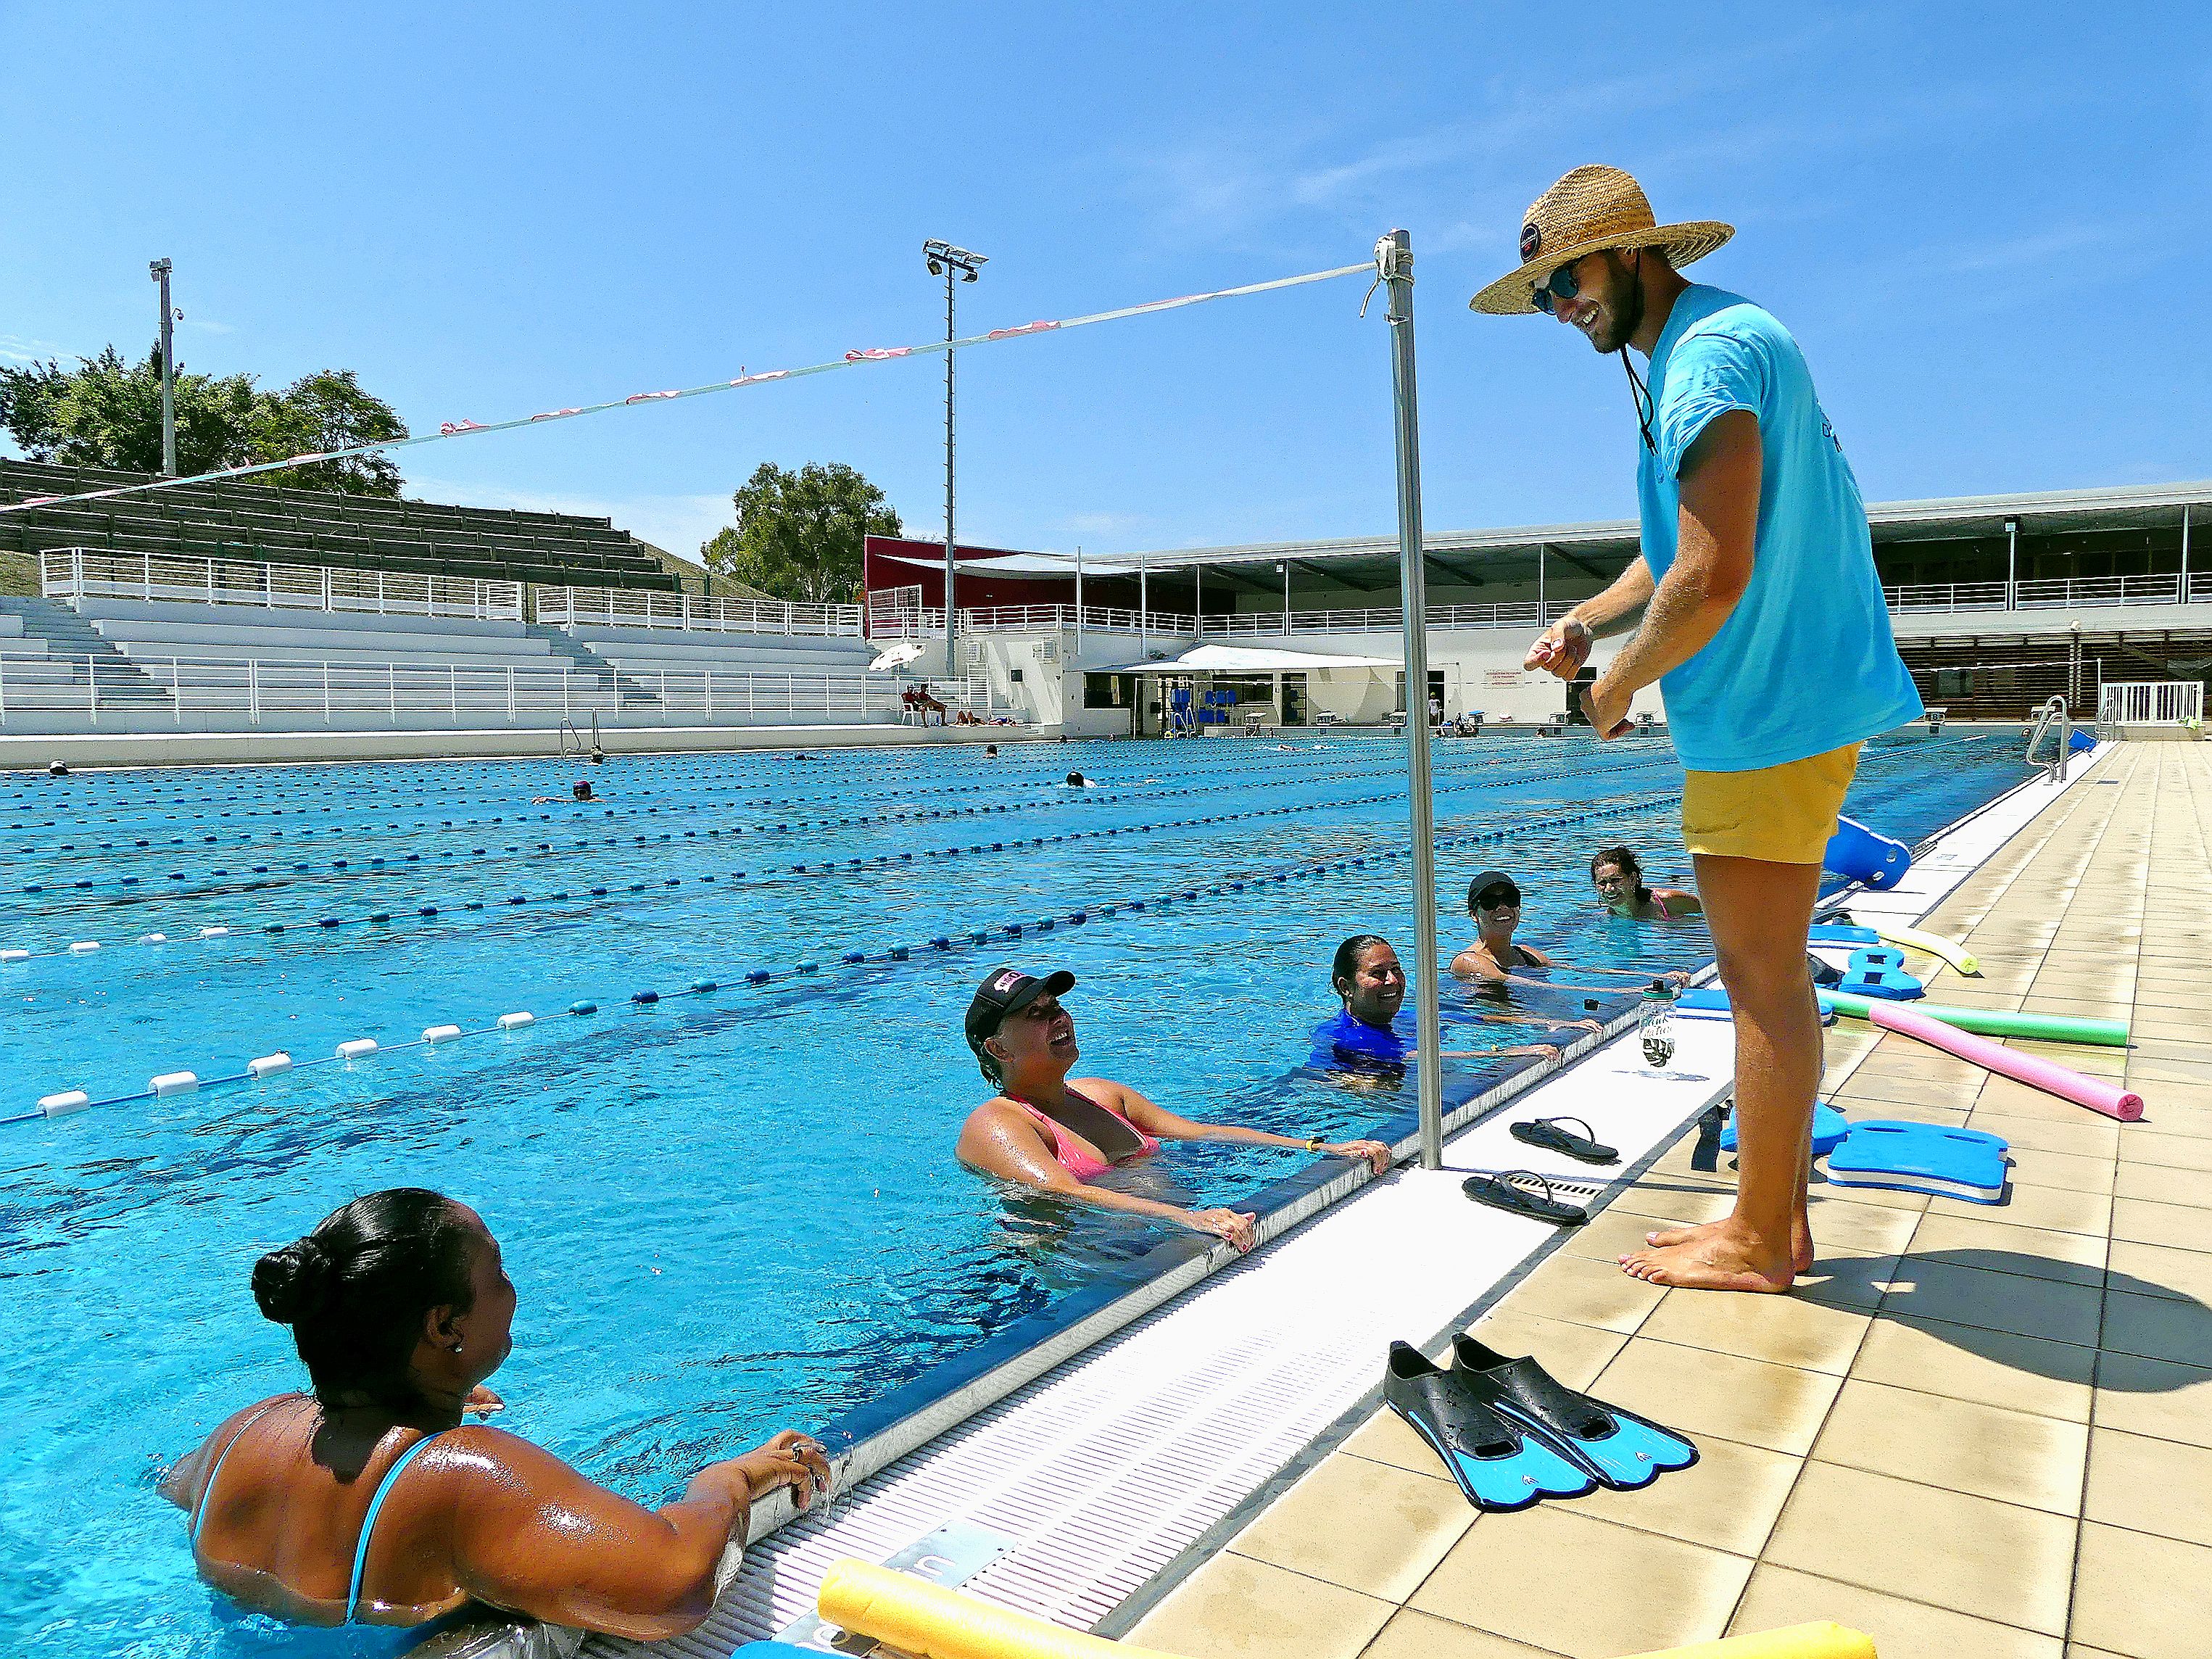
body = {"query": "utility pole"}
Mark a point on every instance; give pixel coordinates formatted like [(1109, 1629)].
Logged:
[(954, 264), (159, 271)]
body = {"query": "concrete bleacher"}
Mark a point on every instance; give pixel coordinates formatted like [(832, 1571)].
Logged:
[(163, 629), (244, 521), (642, 651)]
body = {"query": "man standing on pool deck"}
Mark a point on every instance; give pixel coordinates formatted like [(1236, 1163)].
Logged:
[(1763, 623)]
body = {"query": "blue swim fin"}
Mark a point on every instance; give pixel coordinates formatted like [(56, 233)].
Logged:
[(1627, 1450), (1498, 1463)]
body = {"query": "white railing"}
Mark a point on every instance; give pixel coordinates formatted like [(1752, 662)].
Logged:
[(1946, 596), (621, 607), (77, 573), (229, 691), (2053, 593), (2151, 702)]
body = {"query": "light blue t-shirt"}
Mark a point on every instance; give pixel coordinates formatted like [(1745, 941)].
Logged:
[(1806, 662)]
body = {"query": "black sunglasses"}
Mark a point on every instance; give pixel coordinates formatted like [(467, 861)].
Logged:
[(1561, 284)]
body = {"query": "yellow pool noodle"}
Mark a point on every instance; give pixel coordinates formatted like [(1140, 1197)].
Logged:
[(1821, 1640), (931, 1622), (1935, 944)]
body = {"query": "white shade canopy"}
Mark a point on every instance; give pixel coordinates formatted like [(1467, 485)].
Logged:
[(1248, 659)]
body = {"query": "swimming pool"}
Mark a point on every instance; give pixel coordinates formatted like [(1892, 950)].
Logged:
[(725, 1211)]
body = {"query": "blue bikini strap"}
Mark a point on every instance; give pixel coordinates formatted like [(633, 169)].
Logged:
[(199, 1514), (368, 1522)]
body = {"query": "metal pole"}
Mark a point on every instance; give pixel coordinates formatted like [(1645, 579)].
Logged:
[(951, 626), (1079, 597), (1542, 620), (1144, 616), (1394, 256), (1286, 598), (2184, 555), (2012, 560), (159, 270)]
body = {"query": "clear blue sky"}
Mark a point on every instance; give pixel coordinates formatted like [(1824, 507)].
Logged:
[(1988, 226)]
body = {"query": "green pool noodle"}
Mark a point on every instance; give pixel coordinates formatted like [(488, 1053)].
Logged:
[(1999, 1021)]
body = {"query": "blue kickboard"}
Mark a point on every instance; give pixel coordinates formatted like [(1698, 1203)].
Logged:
[(1712, 1000), (1878, 971), (1831, 933), (1857, 851), (1829, 1128), (1922, 1157)]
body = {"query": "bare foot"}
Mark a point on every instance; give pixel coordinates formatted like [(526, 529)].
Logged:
[(1801, 1239), (1725, 1256)]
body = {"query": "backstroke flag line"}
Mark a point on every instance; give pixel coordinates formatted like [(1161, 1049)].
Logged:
[(850, 360)]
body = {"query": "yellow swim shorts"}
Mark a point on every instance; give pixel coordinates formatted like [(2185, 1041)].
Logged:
[(1778, 814)]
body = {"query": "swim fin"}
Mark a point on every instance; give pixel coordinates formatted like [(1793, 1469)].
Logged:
[(1627, 1451), (1497, 1462)]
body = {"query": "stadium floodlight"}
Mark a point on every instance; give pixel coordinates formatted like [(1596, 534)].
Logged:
[(954, 264), (159, 271)]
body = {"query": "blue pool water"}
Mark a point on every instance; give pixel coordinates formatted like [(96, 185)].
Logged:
[(724, 1211)]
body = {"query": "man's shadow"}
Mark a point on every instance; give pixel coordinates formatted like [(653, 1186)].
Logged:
[(1892, 1286)]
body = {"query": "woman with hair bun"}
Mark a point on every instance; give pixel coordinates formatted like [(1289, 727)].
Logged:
[(1621, 886), (368, 1501)]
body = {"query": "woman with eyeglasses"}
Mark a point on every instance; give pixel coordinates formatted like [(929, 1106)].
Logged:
[(1055, 1136), (1495, 959)]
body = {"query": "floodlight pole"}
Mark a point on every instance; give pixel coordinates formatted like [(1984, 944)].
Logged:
[(954, 264), (1394, 259), (158, 270)]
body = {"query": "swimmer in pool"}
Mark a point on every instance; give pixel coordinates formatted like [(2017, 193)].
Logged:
[(1043, 1131), (1368, 1037), (1077, 780), (581, 790), (370, 1501), (1620, 888), (1494, 899)]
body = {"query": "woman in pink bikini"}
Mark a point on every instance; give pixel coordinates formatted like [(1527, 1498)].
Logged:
[(1043, 1131)]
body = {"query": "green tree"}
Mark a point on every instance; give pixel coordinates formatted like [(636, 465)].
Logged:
[(799, 535), (106, 412)]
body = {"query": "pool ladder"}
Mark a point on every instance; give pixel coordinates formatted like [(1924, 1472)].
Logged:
[(2054, 709)]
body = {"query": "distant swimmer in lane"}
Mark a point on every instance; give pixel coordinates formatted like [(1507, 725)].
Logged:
[(1620, 887), (1043, 1131), (580, 791), (1370, 1038)]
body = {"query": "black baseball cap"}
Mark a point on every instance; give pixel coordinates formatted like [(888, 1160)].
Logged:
[(1489, 879), (1006, 991)]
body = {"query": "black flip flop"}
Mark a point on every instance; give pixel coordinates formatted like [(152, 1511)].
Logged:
[(1500, 1194), (1546, 1132)]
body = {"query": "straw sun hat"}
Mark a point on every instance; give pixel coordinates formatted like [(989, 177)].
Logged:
[(1589, 209)]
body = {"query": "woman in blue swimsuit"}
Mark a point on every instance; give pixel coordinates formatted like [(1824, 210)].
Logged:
[(369, 1501)]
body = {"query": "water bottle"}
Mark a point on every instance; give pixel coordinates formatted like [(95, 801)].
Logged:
[(1655, 1025)]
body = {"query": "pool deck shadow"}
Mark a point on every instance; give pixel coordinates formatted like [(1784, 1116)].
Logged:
[(1972, 1431)]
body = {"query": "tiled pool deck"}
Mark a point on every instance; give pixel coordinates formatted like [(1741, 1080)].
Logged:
[(1972, 1432)]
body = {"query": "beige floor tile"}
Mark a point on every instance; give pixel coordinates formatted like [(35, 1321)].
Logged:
[(1574, 1354), (1236, 1608), (1411, 1635), (1695, 1391), (2154, 1270), (1957, 1444), (1843, 1224), (1974, 1555), (1406, 1524), (1384, 1438), (2149, 1598), (1675, 1201), (2043, 1207), (2033, 1168), (1783, 1330), (2166, 1112), (1576, 1289), (2177, 1226), (1653, 1592), (2184, 1189), (1992, 1368), (2150, 1486), (1957, 1289), (1727, 1500), (1612, 1233), (2088, 1137), (2153, 1397), (2157, 1328), (2143, 1146), (1777, 1597), (2003, 1096), (2038, 1252)]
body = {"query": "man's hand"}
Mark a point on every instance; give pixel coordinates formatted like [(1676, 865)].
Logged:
[(1607, 709), (1561, 649)]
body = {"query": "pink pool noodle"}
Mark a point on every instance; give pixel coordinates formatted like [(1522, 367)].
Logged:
[(2037, 1072)]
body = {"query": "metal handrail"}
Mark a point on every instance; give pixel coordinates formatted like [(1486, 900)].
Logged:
[(625, 607), (2054, 708), (72, 573)]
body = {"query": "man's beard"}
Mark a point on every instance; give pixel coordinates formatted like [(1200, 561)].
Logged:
[(1630, 320)]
